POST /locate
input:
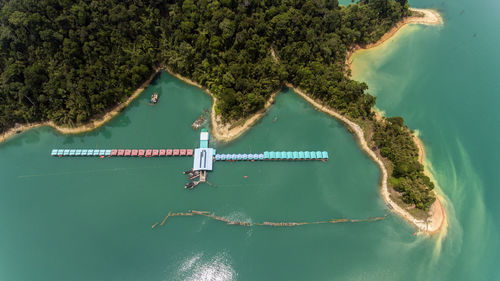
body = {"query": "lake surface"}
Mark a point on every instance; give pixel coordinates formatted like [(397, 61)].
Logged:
[(91, 218), (444, 82)]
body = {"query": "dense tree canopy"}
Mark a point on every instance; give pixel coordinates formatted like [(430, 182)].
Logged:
[(69, 60), (66, 61), (396, 144)]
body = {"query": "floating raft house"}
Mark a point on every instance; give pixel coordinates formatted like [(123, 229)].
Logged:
[(203, 156), (122, 152), (275, 155)]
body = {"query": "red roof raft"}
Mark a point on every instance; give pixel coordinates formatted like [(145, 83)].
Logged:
[(120, 152), (169, 152), (135, 152), (128, 152), (149, 152), (162, 152), (155, 152), (189, 152), (183, 152), (114, 152), (141, 152), (176, 152)]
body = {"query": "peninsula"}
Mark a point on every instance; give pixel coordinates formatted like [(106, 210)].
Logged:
[(78, 62)]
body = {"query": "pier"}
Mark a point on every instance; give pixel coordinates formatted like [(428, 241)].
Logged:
[(204, 156)]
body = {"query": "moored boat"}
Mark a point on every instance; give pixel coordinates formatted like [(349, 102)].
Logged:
[(154, 98)]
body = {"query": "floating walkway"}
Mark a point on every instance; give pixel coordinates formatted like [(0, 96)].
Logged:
[(267, 155), (275, 155), (122, 152), (203, 157)]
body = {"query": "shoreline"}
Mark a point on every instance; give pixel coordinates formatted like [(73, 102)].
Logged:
[(431, 17), (87, 127), (438, 214), (421, 225), (227, 132)]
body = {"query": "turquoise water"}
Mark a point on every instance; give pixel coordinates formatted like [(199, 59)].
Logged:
[(443, 80), (346, 2), (90, 218)]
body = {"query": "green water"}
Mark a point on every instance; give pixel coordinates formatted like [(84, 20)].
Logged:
[(90, 218)]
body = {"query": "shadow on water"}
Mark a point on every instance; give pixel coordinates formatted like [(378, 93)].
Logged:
[(33, 137), (124, 121)]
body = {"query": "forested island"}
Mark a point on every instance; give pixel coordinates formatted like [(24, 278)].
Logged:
[(70, 61)]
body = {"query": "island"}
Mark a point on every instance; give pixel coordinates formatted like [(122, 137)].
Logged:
[(73, 66)]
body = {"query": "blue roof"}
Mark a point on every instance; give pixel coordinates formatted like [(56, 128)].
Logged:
[(60, 151), (108, 152), (54, 152), (96, 152), (84, 152), (325, 154), (66, 152), (289, 155), (301, 155), (313, 155), (203, 144), (250, 157), (272, 155), (261, 156), (295, 155), (266, 154), (78, 152), (307, 155)]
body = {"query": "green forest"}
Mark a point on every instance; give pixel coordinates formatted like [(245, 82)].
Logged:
[(69, 61)]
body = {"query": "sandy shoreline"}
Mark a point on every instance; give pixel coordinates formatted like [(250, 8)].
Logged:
[(227, 132), (431, 17), (91, 125), (437, 212), (437, 217)]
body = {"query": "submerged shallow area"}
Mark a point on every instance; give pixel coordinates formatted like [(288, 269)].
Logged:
[(442, 81)]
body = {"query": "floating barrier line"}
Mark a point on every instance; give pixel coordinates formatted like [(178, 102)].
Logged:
[(265, 223), (165, 219)]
